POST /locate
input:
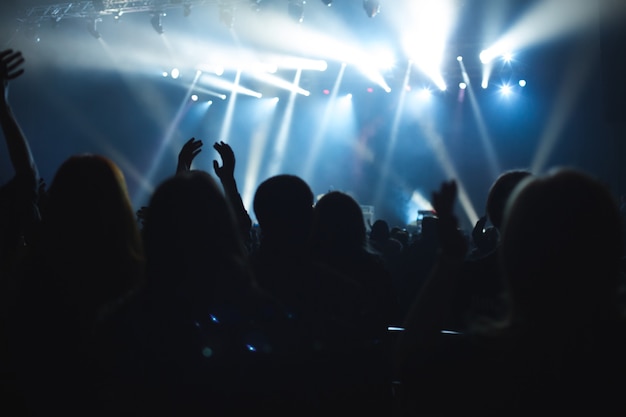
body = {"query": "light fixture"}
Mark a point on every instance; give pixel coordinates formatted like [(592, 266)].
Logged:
[(295, 8), (92, 27), (327, 2), (372, 7), (157, 22), (227, 15)]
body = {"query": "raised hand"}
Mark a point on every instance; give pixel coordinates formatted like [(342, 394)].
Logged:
[(227, 171), (453, 244), (187, 153), (10, 62)]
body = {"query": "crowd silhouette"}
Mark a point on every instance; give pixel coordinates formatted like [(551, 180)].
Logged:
[(185, 308)]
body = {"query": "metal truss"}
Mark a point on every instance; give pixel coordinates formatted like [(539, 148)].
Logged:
[(95, 8)]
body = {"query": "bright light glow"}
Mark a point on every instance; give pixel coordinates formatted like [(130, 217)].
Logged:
[(175, 73), (506, 89), (548, 21), (322, 126), (485, 139), (349, 96), (292, 62), (326, 92), (194, 97), (459, 58), (486, 56), (425, 43), (462, 86), (275, 100), (227, 121), (507, 56), (281, 83), (522, 83), (484, 84), (415, 203), (220, 83), (165, 74), (425, 94), (280, 145)]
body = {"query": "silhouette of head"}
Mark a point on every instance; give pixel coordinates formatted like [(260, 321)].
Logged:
[(380, 231), (561, 245), (338, 223), (190, 227), (499, 193), (283, 205), (89, 235)]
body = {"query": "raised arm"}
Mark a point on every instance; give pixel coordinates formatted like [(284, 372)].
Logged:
[(226, 174), (17, 145), (427, 315)]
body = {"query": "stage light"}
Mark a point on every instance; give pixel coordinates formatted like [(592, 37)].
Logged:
[(372, 7), (117, 15), (505, 89), (175, 73), (157, 22), (326, 92), (327, 2), (462, 86), (486, 56), (507, 57), (484, 84), (522, 83), (459, 58), (370, 90), (425, 94), (92, 27), (194, 97), (227, 15), (295, 9)]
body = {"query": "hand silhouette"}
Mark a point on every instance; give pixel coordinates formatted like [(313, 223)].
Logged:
[(227, 171), (10, 62), (187, 153)]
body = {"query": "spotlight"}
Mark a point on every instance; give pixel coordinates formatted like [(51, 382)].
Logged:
[(117, 15), (295, 9), (194, 97), (327, 2), (156, 22), (372, 7), (505, 89), (522, 83), (459, 58), (175, 73), (462, 86), (227, 15), (507, 57), (92, 27)]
